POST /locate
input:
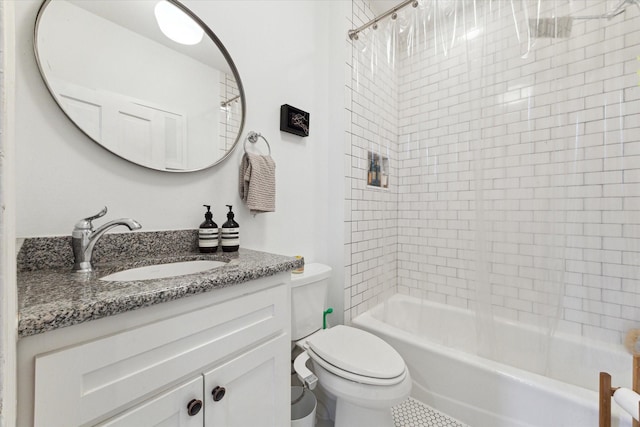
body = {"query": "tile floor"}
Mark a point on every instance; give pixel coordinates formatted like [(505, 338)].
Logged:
[(413, 413)]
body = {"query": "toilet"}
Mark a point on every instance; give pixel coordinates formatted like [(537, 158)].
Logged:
[(357, 376)]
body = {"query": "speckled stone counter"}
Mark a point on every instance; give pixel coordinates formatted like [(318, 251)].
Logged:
[(53, 296)]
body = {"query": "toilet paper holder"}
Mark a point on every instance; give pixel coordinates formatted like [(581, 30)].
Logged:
[(627, 399)]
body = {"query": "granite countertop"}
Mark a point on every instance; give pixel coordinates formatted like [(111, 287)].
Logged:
[(53, 296)]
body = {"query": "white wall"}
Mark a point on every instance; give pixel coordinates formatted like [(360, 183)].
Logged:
[(8, 297), (282, 52)]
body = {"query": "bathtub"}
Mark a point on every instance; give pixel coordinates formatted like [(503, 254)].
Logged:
[(438, 343)]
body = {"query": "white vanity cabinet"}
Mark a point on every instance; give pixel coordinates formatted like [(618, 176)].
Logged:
[(246, 399), (254, 384), (168, 409), (226, 351)]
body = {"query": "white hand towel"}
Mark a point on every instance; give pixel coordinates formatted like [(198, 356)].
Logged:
[(258, 182)]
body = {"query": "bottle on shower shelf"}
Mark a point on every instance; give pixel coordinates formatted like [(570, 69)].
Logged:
[(370, 173), (376, 173)]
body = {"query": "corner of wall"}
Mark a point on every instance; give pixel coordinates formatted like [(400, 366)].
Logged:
[(8, 292)]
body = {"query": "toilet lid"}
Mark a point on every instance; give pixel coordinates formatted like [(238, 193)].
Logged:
[(357, 351)]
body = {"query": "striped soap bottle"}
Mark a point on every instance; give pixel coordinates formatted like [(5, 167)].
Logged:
[(230, 233), (208, 233)]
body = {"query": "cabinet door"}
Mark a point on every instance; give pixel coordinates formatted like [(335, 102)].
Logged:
[(106, 375), (256, 388), (170, 409)]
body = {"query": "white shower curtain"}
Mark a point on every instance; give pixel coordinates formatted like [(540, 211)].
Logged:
[(514, 170)]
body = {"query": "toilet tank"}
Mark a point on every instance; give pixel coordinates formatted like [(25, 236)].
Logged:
[(308, 299)]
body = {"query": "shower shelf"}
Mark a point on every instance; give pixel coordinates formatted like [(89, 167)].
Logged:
[(377, 171)]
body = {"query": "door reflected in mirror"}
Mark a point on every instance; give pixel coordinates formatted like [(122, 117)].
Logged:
[(145, 97)]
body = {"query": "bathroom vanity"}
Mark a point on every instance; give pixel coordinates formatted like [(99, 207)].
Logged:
[(219, 357)]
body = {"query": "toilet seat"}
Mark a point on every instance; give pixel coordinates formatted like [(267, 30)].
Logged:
[(356, 355), (354, 377)]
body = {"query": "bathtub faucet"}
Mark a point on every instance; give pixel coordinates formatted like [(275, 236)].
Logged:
[(84, 238)]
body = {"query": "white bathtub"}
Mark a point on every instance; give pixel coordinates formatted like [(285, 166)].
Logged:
[(438, 343)]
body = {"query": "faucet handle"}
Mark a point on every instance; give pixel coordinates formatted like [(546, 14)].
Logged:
[(100, 214), (85, 224)]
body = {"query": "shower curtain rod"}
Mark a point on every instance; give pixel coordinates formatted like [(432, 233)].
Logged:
[(353, 34), (229, 101)]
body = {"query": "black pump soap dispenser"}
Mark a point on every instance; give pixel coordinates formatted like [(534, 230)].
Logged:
[(230, 233), (208, 233)]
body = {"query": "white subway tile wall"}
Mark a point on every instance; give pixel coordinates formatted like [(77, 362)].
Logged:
[(230, 112), (531, 151), (371, 214)]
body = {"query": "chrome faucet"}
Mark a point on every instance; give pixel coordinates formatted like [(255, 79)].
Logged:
[(84, 238)]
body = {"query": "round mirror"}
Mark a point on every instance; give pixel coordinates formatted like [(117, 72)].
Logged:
[(145, 79)]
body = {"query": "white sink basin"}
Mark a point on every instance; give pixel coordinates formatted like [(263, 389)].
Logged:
[(160, 271)]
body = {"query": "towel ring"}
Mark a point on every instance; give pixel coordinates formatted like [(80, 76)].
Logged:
[(252, 137)]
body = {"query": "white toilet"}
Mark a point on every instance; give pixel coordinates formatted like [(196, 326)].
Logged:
[(359, 376)]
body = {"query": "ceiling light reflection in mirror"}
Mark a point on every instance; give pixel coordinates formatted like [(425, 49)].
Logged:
[(176, 25)]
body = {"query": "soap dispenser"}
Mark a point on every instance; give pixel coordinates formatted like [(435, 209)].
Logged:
[(230, 233), (208, 233)]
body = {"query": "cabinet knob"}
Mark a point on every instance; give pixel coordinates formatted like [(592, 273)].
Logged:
[(194, 407), (218, 393)]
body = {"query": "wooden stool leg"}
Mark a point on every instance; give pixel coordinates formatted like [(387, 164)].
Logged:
[(636, 383), (605, 400)]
